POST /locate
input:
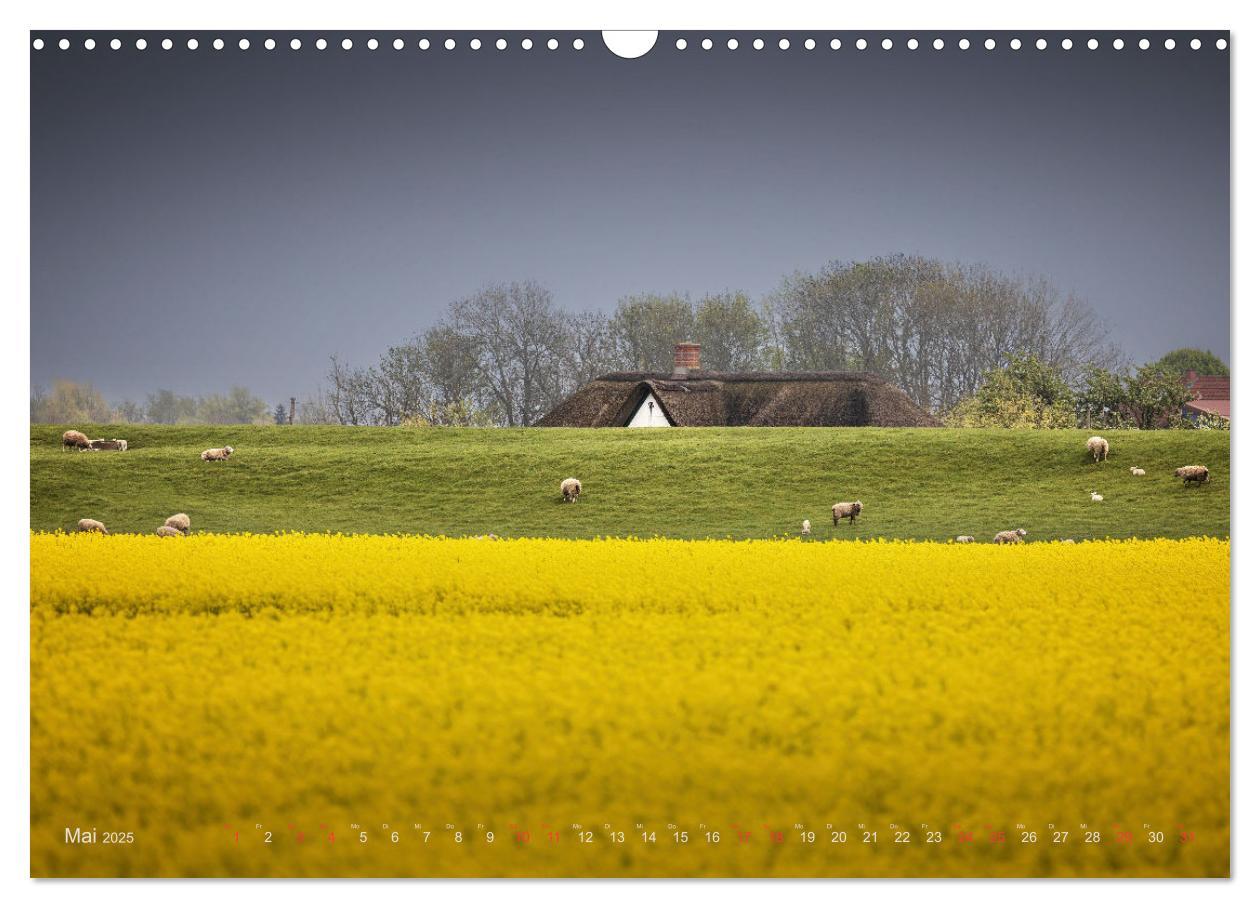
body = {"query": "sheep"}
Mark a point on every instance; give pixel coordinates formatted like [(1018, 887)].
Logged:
[(842, 509), (1191, 474), (1010, 537), (109, 444), (179, 523), (964, 539), (805, 528), (1137, 471), (217, 453), (1068, 541), (570, 489), (1097, 445), (88, 525), (1094, 496), (72, 438), (168, 531)]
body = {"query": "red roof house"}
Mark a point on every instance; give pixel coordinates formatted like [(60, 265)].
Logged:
[(1211, 395)]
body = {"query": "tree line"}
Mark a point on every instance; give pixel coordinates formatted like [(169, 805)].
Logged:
[(1028, 393), (508, 354), (966, 342), (72, 402)]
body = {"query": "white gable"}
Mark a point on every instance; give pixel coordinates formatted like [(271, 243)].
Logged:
[(650, 414)]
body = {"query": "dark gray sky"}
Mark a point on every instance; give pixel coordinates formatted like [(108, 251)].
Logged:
[(204, 218)]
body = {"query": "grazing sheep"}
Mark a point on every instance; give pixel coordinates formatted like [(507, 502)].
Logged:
[(179, 523), (1068, 541), (1137, 471), (805, 528), (72, 438), (1191, 474), (88, 525), (1010, 537), (1097, 445), (217, 453), (570, 489), (964, 539), (843, 509), (109, 444), (1094, 496), (168, 531)]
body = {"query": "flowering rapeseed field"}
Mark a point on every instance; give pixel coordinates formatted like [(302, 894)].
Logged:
[(377, 705)]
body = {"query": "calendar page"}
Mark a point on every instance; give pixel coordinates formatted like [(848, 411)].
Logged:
[(564, 454)]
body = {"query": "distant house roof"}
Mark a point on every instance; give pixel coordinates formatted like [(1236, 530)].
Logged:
[(742, 399), (1211, 393)]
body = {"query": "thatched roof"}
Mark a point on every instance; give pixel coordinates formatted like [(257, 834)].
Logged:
[(743, 399)]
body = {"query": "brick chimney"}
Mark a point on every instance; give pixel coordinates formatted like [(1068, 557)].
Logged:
[(686, 359)]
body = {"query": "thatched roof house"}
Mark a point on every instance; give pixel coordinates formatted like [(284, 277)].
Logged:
[(692, 397)]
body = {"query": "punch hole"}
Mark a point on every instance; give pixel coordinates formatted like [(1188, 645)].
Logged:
[(630, 45)]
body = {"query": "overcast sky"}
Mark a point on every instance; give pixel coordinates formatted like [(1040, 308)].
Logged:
[(207, 218)]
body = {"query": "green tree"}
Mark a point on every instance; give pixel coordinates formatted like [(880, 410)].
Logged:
[(280, 414), (1190, 359), (167, 408), (1154, 396), (1026, 393), (236, 407), (1103, 398), (731, 333), (645, 328)]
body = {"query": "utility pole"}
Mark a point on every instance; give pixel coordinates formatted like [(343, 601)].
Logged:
[(292, 408)]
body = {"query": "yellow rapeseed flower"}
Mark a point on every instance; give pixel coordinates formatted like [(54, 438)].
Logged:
[(729, 708)]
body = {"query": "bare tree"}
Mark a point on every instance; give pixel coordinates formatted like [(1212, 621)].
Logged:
[(932, 328), (519, 339), (591, 348)]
